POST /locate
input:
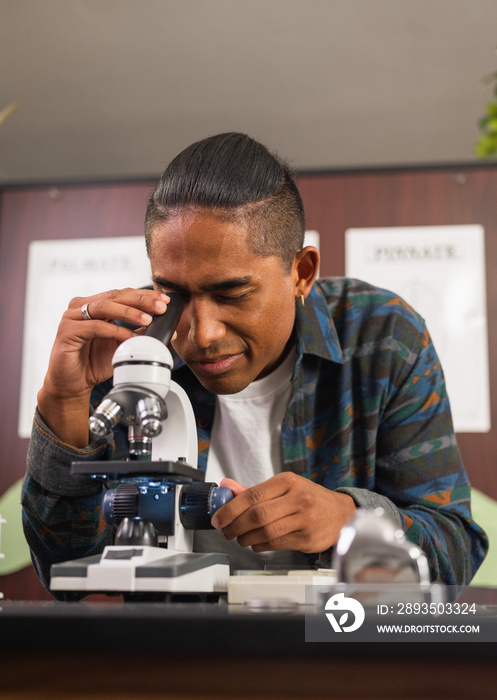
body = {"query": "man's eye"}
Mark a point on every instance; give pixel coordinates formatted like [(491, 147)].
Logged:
[(234, 299)]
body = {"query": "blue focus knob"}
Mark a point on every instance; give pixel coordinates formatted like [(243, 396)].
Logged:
[(220, 495), (199, 502), (120, 503)]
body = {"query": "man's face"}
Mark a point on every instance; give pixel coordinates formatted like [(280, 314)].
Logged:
[(240, 307)]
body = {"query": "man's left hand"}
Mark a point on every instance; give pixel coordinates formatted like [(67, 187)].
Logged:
[(285, 512)]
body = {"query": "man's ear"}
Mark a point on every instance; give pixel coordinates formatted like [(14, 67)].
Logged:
[(304, 270)]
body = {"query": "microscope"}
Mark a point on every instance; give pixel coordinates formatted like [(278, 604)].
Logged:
[(157, 498)]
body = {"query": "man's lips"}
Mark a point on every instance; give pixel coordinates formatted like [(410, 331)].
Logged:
[(216, 365)]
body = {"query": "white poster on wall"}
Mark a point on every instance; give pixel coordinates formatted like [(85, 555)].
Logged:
[(57, 272), (440, 272)]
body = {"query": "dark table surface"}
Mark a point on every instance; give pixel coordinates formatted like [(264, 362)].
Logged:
[(208, 628)]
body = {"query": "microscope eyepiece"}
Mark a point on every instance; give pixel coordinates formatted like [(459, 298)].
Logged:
[(164, 325)]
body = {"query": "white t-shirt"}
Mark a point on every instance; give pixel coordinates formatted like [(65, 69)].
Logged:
[(246, 446)]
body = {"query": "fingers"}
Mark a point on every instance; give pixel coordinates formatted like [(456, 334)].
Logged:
[(253, 499), (285, 512), (133, 306), (82, 353), (267, 525), (262, 514), (235, 487), (287, 533)]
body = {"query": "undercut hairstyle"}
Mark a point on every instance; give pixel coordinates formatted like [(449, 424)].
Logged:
[(237, 179)]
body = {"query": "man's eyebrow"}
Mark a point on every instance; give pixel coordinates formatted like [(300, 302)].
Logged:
[(231, 283)]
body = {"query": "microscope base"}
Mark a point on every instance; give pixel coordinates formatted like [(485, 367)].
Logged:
[(143, 569)]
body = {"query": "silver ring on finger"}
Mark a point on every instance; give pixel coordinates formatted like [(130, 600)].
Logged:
[(85, 313)]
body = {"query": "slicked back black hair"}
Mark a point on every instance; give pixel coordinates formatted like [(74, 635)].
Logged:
[(238, 179)]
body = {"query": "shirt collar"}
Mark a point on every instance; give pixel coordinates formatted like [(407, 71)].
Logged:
[(315, 331)]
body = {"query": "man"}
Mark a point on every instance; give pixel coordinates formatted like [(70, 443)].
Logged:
[(312, 398)]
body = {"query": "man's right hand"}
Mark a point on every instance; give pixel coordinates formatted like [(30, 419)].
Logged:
[(82, 354)]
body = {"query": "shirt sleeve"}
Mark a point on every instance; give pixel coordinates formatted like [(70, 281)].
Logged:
[(420, 471), (61, 512)]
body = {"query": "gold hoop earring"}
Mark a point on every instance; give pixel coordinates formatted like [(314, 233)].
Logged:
[(302, 299)]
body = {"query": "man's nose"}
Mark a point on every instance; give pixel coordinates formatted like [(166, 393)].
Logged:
[(205, 325)]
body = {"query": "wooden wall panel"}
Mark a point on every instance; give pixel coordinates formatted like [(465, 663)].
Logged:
[(334, 202)]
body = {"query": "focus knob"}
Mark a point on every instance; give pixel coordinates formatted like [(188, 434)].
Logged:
[(120, 503), (199, 501)]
